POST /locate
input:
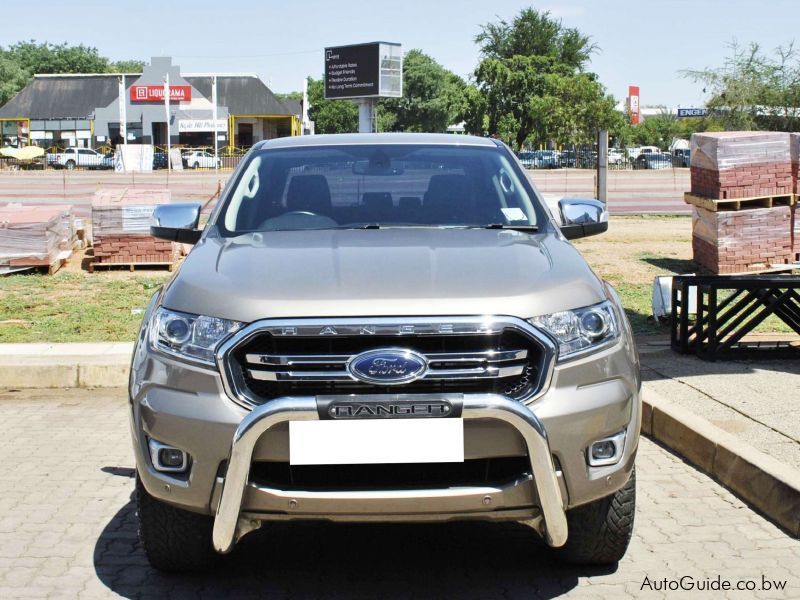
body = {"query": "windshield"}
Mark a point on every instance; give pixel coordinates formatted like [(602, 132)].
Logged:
[(359, 186)]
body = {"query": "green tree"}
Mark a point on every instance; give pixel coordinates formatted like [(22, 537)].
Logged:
[(20, 61), (432, 96), (753, 89), (330, 116), (126, 66), (534, 86), (44, 57), (535, 33), (12, 78)]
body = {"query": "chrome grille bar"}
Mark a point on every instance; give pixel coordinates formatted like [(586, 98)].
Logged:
[(298, 360), (431, 374)]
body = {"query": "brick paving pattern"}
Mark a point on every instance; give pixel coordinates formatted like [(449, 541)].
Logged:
[(67, 530)]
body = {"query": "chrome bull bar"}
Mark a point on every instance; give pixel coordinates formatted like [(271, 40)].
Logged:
[(229, 525)]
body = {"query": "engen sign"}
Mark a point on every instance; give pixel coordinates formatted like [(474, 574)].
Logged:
[(155, 93)]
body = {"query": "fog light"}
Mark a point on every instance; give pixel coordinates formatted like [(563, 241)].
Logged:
[(607, 451), (167, 459)]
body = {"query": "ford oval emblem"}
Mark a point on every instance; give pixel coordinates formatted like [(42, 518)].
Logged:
[(388, 366)]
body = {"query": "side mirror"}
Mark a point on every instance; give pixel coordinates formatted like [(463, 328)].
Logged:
[(582, 217), (176, 223)]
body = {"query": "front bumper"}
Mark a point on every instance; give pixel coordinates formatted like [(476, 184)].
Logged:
[(188, 407), (230, 523)]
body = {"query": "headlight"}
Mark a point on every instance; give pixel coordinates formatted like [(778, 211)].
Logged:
[(195, 337), (582, 329)]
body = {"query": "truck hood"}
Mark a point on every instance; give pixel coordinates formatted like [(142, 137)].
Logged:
[(386, 272)]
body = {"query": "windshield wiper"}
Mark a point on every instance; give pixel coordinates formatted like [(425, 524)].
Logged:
[(522, 227)]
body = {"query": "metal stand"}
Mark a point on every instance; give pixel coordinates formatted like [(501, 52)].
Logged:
[(366, 115), (728, 308)]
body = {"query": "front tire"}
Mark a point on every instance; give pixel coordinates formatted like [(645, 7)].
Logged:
[(599, 532), (174, 540)]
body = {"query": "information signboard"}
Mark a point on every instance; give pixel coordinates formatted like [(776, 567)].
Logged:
[(373, 70)]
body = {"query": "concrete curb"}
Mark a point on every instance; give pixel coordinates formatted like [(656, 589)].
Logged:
[(768, 485), (28, 366)]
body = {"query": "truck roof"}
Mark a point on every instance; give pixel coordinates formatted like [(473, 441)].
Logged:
[(340, 139)]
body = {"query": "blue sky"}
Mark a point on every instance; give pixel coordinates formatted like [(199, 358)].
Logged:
[(642, 42)]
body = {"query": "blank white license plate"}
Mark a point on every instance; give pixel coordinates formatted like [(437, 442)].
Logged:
[(374, 441)]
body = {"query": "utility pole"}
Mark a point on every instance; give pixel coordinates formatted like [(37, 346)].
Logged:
[(214, 119)]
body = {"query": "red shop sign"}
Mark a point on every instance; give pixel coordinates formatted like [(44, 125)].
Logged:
[(155, 93)]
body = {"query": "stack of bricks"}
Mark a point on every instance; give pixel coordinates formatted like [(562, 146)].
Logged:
[(121, 228), (737, 241), (34, 235), (733, 165), (127, 249)]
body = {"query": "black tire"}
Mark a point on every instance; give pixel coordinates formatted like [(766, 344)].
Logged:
[(599, 532), (174, 540), (70, 165), (196, 165)]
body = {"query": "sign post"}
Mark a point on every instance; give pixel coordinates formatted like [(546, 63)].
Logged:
[(363, 73), (123, 111), (166, 110)]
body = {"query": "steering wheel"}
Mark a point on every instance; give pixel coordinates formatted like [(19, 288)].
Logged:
[(298, 219)]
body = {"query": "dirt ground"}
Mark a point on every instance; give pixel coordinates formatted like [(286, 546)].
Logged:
[(636, 249)]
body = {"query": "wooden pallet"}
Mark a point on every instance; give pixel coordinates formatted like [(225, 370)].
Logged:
[(41, 265), (720, 204), (131, 265)]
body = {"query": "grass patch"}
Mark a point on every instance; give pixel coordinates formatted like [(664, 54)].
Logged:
[(73, 307)]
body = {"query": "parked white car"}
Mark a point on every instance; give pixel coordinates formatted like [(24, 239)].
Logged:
[(615, 156), (200, 159), (83, 157)]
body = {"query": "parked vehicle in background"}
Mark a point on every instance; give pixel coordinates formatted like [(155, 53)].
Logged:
[(545, 159), (681, 157), (653, 160), (539, 159), (615, 156), (649, 150), (85, 158), (587, 159), (160, 160), (526, 158), (568, 158), (383, 327), (199, 159)]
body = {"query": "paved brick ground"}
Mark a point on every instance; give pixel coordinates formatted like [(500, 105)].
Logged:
[(67, 530)]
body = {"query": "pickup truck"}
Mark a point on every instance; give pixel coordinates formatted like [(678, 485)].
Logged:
[(87, 158), (383, 327)]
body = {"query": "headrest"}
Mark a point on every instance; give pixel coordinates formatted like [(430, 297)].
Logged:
[(309, 193)]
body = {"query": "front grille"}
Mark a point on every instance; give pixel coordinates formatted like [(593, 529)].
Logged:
[(502, 359), (471, 472)]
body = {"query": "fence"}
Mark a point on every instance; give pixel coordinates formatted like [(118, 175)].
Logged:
[(102, 158), (634, 158)]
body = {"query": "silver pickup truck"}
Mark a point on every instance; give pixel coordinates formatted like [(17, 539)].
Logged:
[(383, 327)]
